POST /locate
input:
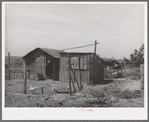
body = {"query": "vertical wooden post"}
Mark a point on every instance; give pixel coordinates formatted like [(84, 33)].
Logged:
[(69, 74), (93, 61), (45, 69), (73, 84), (95, 46), (93, 69), (28, 71), (35, 70), (53, 69), (142, 79), (88, 71), (41, 69), (75, 79), (25, 78), (14, 74), (9, 65), (79, 73), (42, 90), (22, 75)]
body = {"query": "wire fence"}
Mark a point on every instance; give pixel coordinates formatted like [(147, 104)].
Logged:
[(16, 73)]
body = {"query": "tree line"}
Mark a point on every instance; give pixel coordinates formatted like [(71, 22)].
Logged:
[(136, 58)]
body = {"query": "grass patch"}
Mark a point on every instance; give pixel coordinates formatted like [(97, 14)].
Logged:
[(133, 73)]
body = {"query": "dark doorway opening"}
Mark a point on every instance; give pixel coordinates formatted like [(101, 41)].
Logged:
[(49, 70)]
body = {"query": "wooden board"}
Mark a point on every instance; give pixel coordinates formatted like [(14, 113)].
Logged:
[(75, 67), (98, 69), (63, 75)]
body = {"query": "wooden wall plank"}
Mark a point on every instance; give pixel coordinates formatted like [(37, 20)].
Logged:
[(64, 72), (63, 68), (98, 69)]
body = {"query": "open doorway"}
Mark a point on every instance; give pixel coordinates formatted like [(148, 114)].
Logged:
[(49, 70)]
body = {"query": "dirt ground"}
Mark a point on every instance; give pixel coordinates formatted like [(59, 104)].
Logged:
[(122, 92)]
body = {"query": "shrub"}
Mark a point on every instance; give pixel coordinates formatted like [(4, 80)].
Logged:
[(133, 73)]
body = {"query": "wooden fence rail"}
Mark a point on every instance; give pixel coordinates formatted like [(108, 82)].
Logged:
[(14, 76)]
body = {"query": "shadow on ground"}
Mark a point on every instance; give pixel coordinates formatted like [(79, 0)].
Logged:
[(105, 81)]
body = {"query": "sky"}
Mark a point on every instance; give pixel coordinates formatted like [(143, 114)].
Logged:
[(119, 28)]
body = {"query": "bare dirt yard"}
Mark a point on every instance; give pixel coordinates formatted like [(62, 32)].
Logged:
[(114, 92)]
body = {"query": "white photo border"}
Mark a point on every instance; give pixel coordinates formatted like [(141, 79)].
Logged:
[(74, 113)]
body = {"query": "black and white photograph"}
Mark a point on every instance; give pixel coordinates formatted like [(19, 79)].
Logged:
[(82, 57)]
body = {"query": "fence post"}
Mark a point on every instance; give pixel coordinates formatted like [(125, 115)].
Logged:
[(42, 90), (9, 65), (69, 74), (79, 73), (25, 78), (41, 69), (142, 79), (45, 67), (95, 46)]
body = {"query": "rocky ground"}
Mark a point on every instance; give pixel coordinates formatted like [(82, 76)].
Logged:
[(122, 92)]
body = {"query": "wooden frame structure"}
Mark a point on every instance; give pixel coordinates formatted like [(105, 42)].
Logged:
[(47, 63), (42, 61), (81, 67)]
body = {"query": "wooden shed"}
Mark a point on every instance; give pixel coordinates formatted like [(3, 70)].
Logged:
[(42, 63), (84, 67)]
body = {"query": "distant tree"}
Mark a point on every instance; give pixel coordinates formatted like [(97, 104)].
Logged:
[(137, 57), (110, 62), (127, 61)]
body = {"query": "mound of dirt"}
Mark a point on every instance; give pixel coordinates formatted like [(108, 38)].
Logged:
[(129, 103), (129, 94), (133, 85)]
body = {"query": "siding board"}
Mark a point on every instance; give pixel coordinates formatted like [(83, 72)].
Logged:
[(92, 67)]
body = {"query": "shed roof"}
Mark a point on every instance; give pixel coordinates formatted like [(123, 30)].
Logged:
[(52, 52), (84, 53), (76, 52)]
